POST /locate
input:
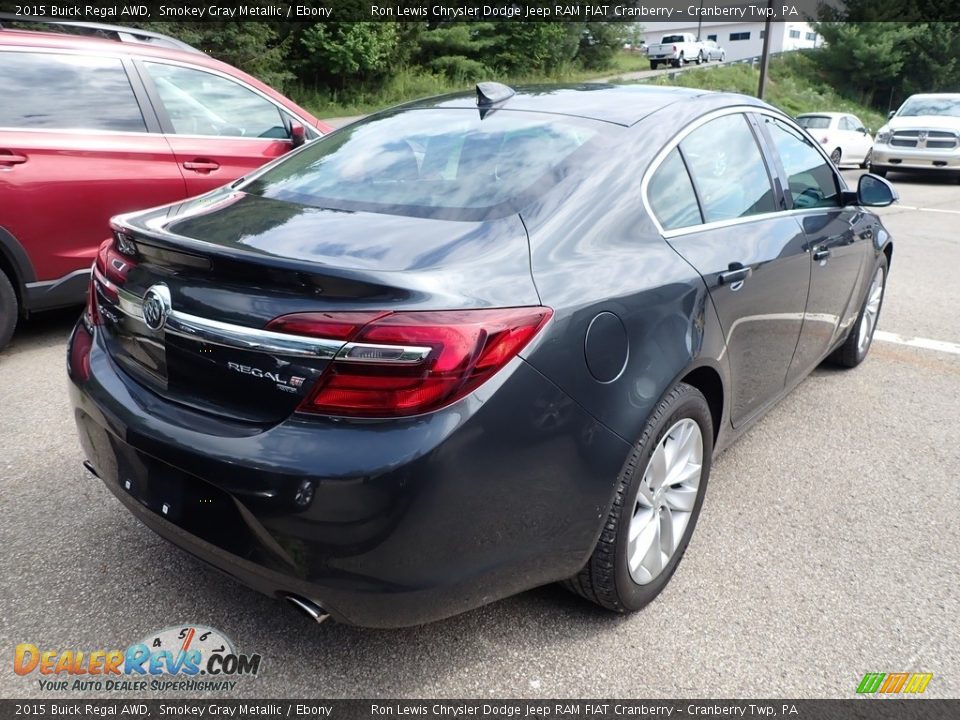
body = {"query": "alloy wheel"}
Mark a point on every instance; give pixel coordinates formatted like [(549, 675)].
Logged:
[(665, 501), (871, 311)]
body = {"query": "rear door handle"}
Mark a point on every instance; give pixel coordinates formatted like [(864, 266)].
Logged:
[(8, 157), (821, 254), (735, 274), (201, 166)]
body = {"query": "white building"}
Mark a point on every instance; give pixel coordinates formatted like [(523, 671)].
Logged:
[(741, 39)]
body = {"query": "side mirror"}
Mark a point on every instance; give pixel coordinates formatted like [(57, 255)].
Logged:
[(891, 114), (298, 134), (863, 130), (874, 191)]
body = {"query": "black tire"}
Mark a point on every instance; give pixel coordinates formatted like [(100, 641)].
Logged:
[(700, 59), (879, 172), (835, 156), (679, 61), (850, 354), (9, 310), (866, 160), (605, 579), (653, 64)]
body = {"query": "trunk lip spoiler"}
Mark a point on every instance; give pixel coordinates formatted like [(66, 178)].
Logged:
[(242, 337)]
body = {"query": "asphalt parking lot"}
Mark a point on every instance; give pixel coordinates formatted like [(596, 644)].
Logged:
[(829, 544)]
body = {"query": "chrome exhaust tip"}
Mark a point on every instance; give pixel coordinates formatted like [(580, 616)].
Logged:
[(312, 610)]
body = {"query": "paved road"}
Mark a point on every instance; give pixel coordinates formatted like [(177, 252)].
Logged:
[(828, 545)]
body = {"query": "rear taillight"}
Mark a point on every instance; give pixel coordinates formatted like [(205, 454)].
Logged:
[(406, 363), (113, 265), (824, 140), (79, 356), (110, 270), (91, 313)]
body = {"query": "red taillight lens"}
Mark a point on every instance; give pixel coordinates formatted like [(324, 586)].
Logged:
[(824, 140), (80, 353), (406, 363), (91, 313), (112, 264), (335, 326)]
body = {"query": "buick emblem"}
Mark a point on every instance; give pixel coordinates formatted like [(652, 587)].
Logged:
[(156, 305)]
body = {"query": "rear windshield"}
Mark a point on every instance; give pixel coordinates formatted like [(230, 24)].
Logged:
[(949, 106), (671, 39), (813, 122), (433, 163)]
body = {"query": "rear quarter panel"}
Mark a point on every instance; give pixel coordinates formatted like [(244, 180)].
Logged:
[(594, 250)]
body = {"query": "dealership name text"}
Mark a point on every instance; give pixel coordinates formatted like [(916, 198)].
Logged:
[(455, 710)]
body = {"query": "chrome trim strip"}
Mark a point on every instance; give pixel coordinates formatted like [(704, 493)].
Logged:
[(392, 354), (679, 137), (234, 336), (103, 280)]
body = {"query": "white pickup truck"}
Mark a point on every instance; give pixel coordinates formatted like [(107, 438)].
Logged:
[(677, 49)]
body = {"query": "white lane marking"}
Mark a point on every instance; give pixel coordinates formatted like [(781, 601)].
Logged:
[(923, 209), (925, 343)]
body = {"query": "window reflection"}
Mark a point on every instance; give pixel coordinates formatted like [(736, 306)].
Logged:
[(66, 92), (728, 169)]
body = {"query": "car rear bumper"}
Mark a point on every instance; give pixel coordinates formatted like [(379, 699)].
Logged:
[(896, 158), (383, 524)]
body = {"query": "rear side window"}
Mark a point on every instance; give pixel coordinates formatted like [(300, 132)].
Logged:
[(814, 122), (671, 194), (201, 103), (728, 170), (811, 180), (66, 92), (451, 163)]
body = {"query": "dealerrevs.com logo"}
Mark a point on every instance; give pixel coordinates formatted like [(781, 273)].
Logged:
[(184, 658)]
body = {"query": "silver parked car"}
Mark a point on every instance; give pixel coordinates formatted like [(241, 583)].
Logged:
[(714, 51)]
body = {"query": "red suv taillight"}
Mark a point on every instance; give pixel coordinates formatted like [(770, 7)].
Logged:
[(113, 265), (110, 270), (405, 363)]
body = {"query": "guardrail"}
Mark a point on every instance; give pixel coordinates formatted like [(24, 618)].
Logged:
[(752, 61)]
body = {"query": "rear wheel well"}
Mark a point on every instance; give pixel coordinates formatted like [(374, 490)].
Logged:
[(708, 382), (8, 269)]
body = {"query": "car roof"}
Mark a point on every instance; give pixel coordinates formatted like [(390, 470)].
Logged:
[(824, 114), (64, 41), (618, 104)]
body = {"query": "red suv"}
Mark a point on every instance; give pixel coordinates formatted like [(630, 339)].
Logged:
[(92, 127)]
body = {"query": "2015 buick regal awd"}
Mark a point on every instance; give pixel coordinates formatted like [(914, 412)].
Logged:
[(471, 345)]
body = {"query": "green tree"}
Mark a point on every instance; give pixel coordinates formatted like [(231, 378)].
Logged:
[(254, 47), (882, 61), (338, 53), (600, 42)]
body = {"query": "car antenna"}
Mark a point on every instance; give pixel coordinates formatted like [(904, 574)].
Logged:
[(491, 94)]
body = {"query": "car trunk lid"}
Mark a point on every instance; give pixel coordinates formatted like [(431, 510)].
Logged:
[(219, 268)]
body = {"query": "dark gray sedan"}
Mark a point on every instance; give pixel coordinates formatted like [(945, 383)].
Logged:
[(473, 344)]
